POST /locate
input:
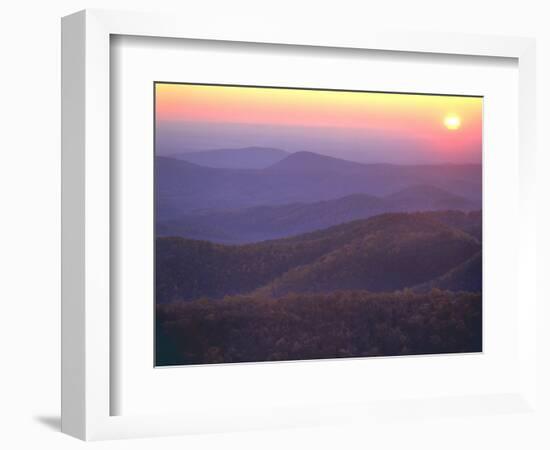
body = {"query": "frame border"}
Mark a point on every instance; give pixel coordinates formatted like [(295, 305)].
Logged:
[(85, 192)]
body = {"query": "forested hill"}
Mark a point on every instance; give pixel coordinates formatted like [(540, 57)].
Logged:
[(384, 253)]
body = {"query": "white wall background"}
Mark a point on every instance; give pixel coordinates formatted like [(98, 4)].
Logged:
[(30, 188)]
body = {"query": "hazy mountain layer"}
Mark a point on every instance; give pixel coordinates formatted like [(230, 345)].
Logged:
[(272, 222), (235, 158), (185, 188)]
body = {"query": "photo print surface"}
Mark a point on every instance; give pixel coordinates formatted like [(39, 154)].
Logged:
[(299, 224)]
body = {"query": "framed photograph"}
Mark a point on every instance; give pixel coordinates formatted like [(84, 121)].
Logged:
[(368, 246), (266, 228)]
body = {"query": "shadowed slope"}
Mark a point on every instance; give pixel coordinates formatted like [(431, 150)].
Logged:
[(273, 222), (386, 252)]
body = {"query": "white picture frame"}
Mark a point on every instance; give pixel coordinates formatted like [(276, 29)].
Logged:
[(86, 240)]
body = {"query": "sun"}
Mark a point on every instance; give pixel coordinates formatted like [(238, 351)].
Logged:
[(452, 122)]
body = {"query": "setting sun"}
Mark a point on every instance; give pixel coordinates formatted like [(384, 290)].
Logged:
[(452, 122)]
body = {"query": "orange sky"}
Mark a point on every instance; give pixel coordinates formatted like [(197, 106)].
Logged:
[(419, 117)]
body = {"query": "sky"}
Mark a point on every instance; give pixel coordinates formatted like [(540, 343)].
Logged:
[(361, 126)]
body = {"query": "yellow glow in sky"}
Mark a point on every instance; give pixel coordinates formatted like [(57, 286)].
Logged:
[(452, 122)]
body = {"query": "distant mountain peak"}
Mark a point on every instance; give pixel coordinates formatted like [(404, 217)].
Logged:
[(252, 157), (259, 148), (305, 160)]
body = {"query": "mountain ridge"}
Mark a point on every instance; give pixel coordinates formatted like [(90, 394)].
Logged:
[(386, 252), (304, 156), (259, 223), (253, 157), (184, 187)]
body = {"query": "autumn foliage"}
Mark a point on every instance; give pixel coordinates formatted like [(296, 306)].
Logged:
[(312, 326), (393, 284)]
